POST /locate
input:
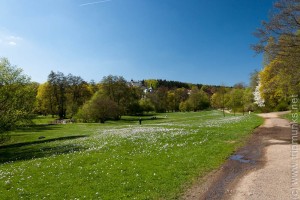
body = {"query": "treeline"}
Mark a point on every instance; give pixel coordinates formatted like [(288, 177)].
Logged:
[(155, 83), (63, 95), (71, 97), (166, 83), (280, 45), (68, 96)]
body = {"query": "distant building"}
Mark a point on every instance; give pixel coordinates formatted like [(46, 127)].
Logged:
[(133, 83), (148, 90), (139, 84)]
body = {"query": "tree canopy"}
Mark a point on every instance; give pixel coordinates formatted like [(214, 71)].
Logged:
[(279, 40), (17, 96)]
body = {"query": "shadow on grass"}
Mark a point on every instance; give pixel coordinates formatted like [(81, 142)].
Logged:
[(41, 141), (38, 128), (136, 119), (37, 149)]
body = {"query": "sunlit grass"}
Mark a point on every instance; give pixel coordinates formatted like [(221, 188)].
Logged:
[(120, 160), (293, 117)]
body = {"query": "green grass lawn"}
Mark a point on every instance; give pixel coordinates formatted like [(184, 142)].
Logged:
[(293, 117), (119, 160)]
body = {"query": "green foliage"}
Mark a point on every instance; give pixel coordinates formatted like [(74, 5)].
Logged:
[(159, 98), (279, 41), (283, 22), (146, 105), (216, 100), (236, 101), (293, 117), (198, 99), (63, 95), (126, 97), (78, 92), (151, 83), (46, 101), (282, 106), (248, 100), (17, 96), (99, 109), (185, 106), (58, 84), (114, 99), (278, 82), (254, 78)]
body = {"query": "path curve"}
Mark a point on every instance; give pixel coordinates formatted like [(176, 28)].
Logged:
[(267, 176)]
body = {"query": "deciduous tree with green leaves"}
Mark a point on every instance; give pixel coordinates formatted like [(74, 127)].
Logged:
[(99, 109), (17, 97), (279, 40)]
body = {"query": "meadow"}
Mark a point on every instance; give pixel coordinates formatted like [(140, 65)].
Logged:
[(119, 160)]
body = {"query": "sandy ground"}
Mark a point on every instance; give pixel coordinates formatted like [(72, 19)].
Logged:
[(266, 176), (273, 181), (270, 182)]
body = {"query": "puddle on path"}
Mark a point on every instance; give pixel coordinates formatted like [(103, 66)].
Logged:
[(240, 159)]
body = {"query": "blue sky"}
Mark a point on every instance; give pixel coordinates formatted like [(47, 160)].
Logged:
[(196, 41)]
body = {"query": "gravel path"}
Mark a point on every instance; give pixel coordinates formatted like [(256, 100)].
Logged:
[(267, 175), (273, 181)]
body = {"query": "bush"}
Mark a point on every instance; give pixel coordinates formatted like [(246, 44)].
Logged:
[(185, 106), (282, 106), (99, 109)]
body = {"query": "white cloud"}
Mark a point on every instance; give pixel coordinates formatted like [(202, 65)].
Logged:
[(10, 40), (14, 38), (11, 43)]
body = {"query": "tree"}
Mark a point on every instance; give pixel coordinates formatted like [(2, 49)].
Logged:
[(99, 109), (46, 102), (159, 98), (280, 43), (126, 96), (151, 83), (180, 95), (146, 105), (254, 78), (171, 103), (132, 105), (248, 99), (58, 84), (185, 106), (198, 99), (222, 91), (236, 100), (216, 100), (258, 99), (77, 93), (17, 97), (116, 88), (62, 95), (283, 25), (276, 84), (93, 87)]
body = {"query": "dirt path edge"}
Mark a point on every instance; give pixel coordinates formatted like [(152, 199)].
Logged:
[(224, 182)]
